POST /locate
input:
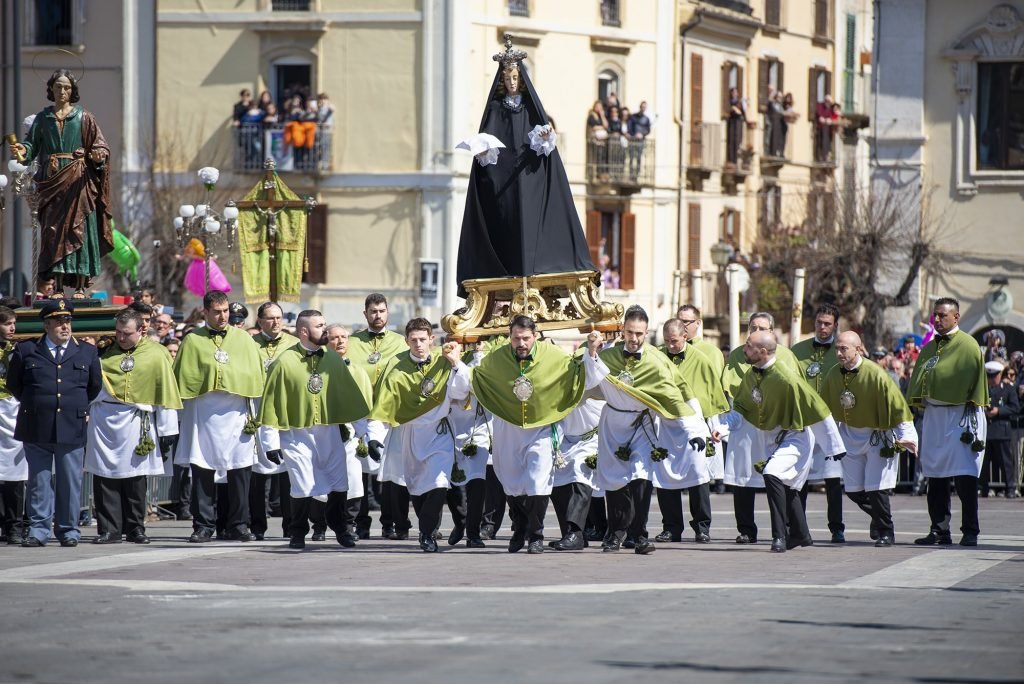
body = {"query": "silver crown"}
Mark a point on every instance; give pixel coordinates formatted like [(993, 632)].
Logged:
[(511, 55)]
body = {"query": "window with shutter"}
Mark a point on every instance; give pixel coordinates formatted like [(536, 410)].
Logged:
[(773, 13), (627, 265), (730, 228), (696, 108), (821, 19), (818, 86), (693, 230), (316, 246), (726, 73), (849, 72), (763, 84), (594, 236)]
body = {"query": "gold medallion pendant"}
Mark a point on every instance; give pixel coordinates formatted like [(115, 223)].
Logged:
[(373, 358), (847, 399), (127, 363), (220, 356), (522, 388), (315, 384), (266, 363)]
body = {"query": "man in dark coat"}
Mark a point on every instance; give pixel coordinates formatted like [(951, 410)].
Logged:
[(1000, 440), (55, 378)]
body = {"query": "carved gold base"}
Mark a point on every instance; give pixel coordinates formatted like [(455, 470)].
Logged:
[(556, 301)]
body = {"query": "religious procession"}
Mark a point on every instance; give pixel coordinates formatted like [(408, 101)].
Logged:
[(505, 410)]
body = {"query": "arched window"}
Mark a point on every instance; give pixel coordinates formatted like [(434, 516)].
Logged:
[(607, 83)]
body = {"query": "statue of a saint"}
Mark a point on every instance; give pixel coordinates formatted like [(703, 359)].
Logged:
[(73, 183)]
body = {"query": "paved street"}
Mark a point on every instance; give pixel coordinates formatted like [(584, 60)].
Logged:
[(257, 612)]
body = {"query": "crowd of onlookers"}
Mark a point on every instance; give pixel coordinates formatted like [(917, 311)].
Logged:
[(616, 136), (303, 118)]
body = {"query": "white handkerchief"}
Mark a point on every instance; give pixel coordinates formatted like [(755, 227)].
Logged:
[(481, 142)]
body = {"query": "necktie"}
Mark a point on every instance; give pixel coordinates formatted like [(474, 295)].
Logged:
[(677, 355), (631, 355), (374, 336), (422, 364), (759, 371), (58, 354), (315, 352), (942, 338)]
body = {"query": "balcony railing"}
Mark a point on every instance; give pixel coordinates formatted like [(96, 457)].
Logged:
[(706, 145), (622, 162), (294, 146)]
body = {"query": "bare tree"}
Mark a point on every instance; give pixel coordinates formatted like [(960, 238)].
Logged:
[(862, 251)]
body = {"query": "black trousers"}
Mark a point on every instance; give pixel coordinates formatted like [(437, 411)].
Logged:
[(494, 500), (12, 508), (787, 512), (939, 503), (999, 461), (876, 504), (428, 507), (572, 504), (670, 501), (743, 507), (394, 507), (259, 504), (597, 516), (833, 503), (205, 503), (334, 514), (527, 514), (357, 516), (120, 504), (317, 515), (466, 504), (628, 509), (181, 488)]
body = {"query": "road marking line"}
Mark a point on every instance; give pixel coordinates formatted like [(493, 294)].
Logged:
[(125, 560), (934, 570)]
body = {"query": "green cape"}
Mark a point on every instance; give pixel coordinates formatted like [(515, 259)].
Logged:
[(713, 353), (198, 372), (360, 347), (806, 353), (558, 381), (880, 404), (656, 381), (6, 350), (269, 349), (701, 379), (399, 399), (957, 378), (736, 367), (151, 381), (289, 405), (787, 401)]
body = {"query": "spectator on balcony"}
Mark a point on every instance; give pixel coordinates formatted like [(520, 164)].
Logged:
[(250, 138), (265, 100), (775, 127), (241, 107), (270, 116), (614, 122), (735, 124), (824, 125), (640, 123), (324, 111), (300, 133), (611, 100), (597, 123)]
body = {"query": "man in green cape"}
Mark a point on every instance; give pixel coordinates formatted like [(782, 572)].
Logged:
[(529, 386), (648, 434), (693, 325), (949, 384), (774, 413), (416, 391), (817, 356), (309, 393), (136, 410), (371, 349), (219, 373), (702, 387), (876, 424)]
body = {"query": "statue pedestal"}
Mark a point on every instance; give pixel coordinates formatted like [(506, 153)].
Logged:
[(87, 321), (555, 301)]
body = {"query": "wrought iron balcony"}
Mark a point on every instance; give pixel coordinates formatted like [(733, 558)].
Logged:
[(302, 146)]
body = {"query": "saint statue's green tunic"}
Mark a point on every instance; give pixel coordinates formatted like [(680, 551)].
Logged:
[(816, 360), (270, 348), (736, 367), (557, 381), (701, 378), (406, 391), (198, 371), (149, 378), (878, 402), (949, 371), (345, 393), (371, 351), (652, 380), (74, 192), (786, 401)]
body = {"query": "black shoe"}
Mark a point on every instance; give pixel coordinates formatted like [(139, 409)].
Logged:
[(884, 540), (778, 546), (487, 531), (31, 542), (242, 535), (318, 536), (458, 532), (347, 540), (200, 537), (874, 533), (475, 543), (516, 543), (745, 539), (610, 545), (668, 536), (719, 487), (297, 543), (629, 544), (69, 542), (793, 543), (386, 532), (594, 534), (183, 516), (13, 539), (108, 538), (363, 534), (969, 540), (398, 536), (838, 538), (428, 544), (941, 538), (702, 538), (571, 542), (259, 535), (138, 538), (643, 547), (536, 546)]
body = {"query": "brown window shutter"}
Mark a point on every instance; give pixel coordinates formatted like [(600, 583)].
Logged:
[(821, 20), (773, 13), (740, 84), (627, 268), (693, 229), (725, 89), (594, 235), (763, 84), (696, 88), (812, 95), (316, 245)]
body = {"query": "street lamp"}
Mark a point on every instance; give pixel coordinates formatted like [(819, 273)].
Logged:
[(721, 254), (202, 222)]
